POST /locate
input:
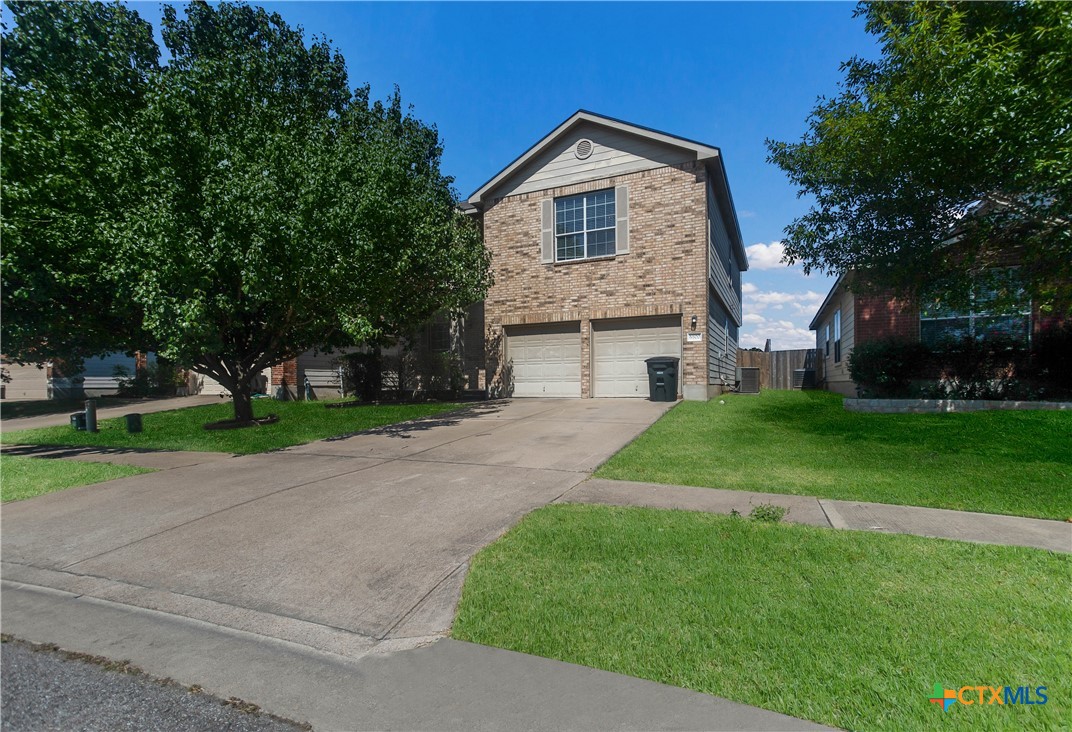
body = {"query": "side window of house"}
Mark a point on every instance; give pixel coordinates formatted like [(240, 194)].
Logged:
[(584, 226), (982, 319), (837, 335), (826, 339)]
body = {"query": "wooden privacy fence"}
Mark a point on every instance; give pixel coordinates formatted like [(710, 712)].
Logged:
[(776, 367)]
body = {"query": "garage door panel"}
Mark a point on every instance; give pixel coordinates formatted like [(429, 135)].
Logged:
[(620, 349), (545, 361)]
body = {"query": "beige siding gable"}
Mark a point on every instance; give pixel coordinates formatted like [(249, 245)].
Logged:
[(837, 371), (613, 153)]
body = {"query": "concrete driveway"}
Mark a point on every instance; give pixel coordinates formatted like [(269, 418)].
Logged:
[(339, 545)]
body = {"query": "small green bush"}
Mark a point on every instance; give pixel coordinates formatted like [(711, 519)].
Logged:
[(995, 367), (980, 368), (154, 379), (1050, 366), (362, 374), (886, 368)]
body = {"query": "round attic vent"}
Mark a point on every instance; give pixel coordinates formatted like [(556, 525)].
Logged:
[(583, 149)]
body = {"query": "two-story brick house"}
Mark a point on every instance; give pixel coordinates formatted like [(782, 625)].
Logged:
[(610, 243)]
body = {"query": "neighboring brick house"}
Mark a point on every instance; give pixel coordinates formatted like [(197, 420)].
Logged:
[(610, 243), (846, 319)]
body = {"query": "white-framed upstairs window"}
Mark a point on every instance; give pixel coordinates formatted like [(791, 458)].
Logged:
[(585, 226)]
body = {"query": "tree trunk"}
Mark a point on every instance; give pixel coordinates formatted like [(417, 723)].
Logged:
[(242, 399)]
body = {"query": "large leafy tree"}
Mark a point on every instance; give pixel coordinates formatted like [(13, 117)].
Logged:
[(74, 77), (947, 158), (270, 209)]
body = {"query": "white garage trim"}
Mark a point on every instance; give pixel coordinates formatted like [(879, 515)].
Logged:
[(544, 360), (620, 347)]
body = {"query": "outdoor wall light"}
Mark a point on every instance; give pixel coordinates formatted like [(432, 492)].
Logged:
[(693, 322)]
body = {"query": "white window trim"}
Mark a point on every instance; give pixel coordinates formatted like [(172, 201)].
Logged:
[(837, 335), (972, 315), (585, 231)]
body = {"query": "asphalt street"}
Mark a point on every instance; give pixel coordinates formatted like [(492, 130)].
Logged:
[(48, 689)]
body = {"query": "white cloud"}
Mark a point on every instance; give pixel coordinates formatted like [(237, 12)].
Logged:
[(784, 334), (766, 256), (746, 214), (779, 315), (748, 288), (799, 302)]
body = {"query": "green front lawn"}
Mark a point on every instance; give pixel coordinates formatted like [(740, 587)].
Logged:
[(26, 477), (846, 628), (805, 443), (182, 429)]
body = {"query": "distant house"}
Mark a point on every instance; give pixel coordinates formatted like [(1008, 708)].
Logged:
[(47, 381), (846, 319)]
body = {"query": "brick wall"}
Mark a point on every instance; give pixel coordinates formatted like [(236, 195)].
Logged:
[(663, 273), (287, 370), (881, 315)]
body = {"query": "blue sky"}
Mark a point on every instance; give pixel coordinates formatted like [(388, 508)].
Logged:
[(496, 77)]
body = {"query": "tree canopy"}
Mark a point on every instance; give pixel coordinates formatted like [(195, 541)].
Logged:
[(74, 77), (948, 158), (266, 208)]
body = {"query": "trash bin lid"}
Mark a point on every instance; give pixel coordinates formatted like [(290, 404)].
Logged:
[(669, 360)]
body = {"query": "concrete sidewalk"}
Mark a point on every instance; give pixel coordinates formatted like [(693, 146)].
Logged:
[(104, 411), (447, 685), (986, 528)]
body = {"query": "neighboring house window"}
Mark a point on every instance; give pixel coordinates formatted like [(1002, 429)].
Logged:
[(439, 335), (584, 226), (826, 339), (938, 323), (837, 336)]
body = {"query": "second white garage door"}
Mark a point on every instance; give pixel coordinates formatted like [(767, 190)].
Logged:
[(545, 360), (619, 348)]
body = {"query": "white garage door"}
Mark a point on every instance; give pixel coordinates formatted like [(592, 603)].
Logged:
[(544, 360), (209, 386), (27, 381), (620, 348)]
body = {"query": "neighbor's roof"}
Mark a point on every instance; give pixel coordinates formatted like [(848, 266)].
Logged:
[(704, 153)]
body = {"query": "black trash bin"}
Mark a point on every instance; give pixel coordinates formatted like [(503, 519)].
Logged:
[(133, 422), (78, 421), (662, 378)]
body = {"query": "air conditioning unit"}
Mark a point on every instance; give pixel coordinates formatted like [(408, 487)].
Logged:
[(804, 379), (748, 380)]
